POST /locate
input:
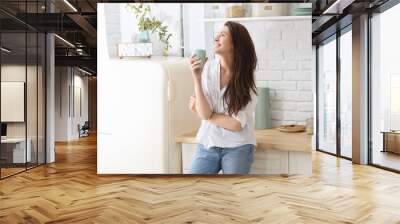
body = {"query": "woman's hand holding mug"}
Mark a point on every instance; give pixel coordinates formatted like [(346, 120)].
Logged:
[(197, 61)]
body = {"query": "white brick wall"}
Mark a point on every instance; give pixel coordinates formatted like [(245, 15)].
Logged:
[(113, 27), (297, 75), (269, 75), (284, 62)]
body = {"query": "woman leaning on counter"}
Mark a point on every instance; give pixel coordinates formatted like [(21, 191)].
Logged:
[(225, 99)]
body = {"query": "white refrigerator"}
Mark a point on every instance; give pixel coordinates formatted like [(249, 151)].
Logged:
[(142, 106)]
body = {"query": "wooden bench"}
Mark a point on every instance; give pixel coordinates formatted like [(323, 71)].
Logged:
[(276, 152)]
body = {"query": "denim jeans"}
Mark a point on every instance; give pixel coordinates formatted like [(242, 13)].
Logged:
[(236, 160)]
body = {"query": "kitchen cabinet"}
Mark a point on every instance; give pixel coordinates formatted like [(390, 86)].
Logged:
[(276, 152)]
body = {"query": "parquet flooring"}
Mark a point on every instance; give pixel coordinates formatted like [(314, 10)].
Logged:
[(10, 171), (70, 191)]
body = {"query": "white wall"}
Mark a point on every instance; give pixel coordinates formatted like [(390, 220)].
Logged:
[(68, 81)]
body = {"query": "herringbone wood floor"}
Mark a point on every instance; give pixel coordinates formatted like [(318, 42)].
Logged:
[(69, 191)]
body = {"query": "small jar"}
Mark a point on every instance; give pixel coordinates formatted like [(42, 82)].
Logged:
[(310, 126), (269, 9), (218, 10), (235, 10), (248, 9)]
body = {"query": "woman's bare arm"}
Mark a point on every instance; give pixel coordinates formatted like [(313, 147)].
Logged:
[(202, 106)]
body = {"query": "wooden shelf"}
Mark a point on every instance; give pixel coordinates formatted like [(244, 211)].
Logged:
[(256, 18)]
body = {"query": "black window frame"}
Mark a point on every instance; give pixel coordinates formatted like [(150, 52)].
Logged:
[(334, 37)]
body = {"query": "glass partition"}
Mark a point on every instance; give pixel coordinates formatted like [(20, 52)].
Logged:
[(13, 105), (22, 89)]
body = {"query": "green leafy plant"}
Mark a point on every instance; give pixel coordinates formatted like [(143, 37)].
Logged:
[(147, 23)]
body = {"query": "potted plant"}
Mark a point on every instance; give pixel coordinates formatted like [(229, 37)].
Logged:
[(147, 24)]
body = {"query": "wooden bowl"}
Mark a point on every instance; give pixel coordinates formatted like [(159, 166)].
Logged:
[(291, 128)]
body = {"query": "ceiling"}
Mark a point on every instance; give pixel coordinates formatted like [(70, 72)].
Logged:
[(329, 16), (75, 22)]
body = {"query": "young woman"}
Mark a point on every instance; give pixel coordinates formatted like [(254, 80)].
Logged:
[(225, 99)]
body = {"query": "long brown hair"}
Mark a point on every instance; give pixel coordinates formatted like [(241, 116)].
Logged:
[(238, 91)]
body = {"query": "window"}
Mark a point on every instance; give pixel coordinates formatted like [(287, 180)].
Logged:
[(334, 106), (385, 89)]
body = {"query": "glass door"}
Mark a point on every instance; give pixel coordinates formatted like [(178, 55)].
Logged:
[(327, 96)]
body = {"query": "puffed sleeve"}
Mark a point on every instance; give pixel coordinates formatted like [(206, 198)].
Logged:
[(248, 111)]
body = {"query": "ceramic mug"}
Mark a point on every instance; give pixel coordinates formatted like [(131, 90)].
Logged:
[(200, 54)]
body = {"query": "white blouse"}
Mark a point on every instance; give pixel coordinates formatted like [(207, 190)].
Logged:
[(210, 134)]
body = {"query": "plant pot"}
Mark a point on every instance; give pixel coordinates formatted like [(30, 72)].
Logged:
[(144, 36)]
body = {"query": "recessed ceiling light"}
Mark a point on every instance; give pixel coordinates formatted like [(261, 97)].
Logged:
[(70, 5), (337, 7), (86, 72), (64, 40), (5, 50)]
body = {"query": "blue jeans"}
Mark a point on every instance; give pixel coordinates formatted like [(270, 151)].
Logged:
[(236, 160)]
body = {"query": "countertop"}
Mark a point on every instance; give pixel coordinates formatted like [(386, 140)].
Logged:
[(267, 139)]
